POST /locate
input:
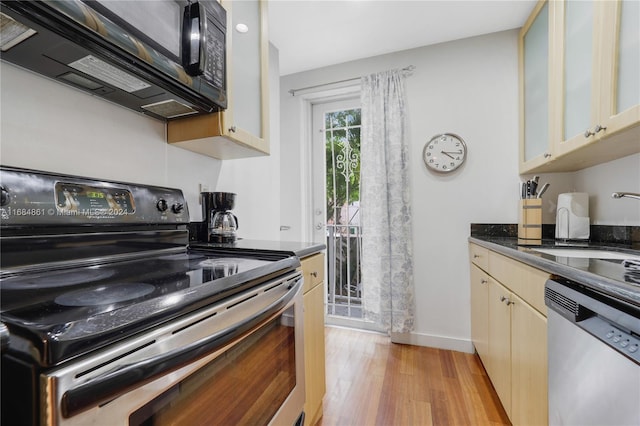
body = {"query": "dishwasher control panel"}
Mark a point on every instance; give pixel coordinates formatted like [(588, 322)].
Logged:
[(606, 319), (625, 343)]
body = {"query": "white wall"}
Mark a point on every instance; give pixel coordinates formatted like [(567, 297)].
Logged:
[(48, 126), (257, 180), (468, 87), (600, 181)]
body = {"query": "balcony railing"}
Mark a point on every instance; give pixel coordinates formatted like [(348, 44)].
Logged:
[(344, 249)]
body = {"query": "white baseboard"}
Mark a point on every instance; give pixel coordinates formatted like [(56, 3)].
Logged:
[(430, 341)]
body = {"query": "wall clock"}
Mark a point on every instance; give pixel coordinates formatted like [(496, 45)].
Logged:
[(444, 153)]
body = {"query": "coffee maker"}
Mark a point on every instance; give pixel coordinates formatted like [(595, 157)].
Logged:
[(222, 225)]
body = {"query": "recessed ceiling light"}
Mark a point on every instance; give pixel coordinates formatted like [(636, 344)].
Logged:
[(242, 28)]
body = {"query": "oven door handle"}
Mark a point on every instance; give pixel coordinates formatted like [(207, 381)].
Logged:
[(115, 383)]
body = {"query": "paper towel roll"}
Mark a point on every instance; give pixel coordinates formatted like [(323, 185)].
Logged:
[(572, 216)]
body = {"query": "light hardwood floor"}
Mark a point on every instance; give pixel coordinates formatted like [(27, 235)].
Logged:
[(371, 381)]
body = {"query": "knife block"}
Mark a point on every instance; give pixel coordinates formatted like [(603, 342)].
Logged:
[(530, 222)]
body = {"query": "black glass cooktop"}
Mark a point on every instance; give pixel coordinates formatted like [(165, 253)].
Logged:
[(64, 313)]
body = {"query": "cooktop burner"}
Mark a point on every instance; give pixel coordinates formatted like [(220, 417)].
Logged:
[(55, 279), (104, 295)]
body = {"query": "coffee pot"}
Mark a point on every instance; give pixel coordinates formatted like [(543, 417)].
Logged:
[(222, 224)]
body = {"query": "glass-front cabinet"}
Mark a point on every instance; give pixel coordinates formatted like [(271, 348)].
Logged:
[(594, 90), (574, 29), (242, 130), (620, 95), (535, 89)]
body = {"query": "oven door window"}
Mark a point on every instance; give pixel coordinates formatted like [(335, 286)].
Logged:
[(246, 384)]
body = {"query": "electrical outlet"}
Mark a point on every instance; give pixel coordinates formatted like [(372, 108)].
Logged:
[(203, 187)]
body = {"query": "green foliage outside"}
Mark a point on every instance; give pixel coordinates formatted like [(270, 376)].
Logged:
[(342, 146)]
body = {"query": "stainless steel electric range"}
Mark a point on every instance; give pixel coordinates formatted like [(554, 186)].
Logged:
[(108, 317)]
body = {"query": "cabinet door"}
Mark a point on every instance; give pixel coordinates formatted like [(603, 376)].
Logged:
[(535, 110), (529, 404), (480, 312), (500, 342), (246, 119), (620, 59), (314, 352), (574, 27)]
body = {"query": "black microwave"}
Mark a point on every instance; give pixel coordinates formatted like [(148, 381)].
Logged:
[(163, 58)]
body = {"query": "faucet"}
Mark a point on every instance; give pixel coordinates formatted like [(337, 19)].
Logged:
[(625, 194)]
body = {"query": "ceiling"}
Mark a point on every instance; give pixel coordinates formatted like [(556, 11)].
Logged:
[(315, 33)]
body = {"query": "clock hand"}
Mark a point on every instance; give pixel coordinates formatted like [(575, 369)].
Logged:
[(451, 152), (447, 154)]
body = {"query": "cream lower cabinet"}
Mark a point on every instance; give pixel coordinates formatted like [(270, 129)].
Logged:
[(509, 331), (529, 403), (314, 353), (480, 311), (499, 362)]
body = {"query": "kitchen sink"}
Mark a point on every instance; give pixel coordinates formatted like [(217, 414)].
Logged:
[(587, 253)]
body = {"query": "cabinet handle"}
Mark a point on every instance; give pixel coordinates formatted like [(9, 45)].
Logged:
[(596, 129), (314, 274), (232, 129), (475, 256), (506, 300), (600, 128), (483, 281), (547, 155)]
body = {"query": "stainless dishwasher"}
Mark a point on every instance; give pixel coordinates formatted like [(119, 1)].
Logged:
[(594, 357)]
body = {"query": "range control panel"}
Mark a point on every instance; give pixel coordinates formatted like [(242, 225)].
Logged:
[(40, 198)]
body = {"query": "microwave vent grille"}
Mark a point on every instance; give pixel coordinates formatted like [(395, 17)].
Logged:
[(169, 109)]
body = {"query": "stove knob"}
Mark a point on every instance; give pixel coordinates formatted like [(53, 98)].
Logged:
[(4, 199), (162, 205), (177, 208)]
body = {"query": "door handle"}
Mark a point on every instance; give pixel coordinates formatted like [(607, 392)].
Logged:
[(320, 226)]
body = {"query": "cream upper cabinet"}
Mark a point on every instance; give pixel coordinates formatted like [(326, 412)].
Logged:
[(535, 89), (242, 130), (593, 88), (620, 92), (575, 29)]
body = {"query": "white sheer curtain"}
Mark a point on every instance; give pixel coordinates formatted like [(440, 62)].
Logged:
[(387, 253)]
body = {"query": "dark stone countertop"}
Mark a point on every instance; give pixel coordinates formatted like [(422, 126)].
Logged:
[(299, 249), (606, 276)]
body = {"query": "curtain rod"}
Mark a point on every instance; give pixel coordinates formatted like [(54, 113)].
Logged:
[(407, 70)]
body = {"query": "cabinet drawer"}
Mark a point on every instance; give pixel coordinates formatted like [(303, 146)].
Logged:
[(313, 271), (479, 256), (523, 280)]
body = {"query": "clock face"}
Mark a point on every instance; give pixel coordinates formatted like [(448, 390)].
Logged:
[(444, 153)]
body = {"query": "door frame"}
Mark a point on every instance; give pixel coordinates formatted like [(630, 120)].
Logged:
[(307, 101)]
